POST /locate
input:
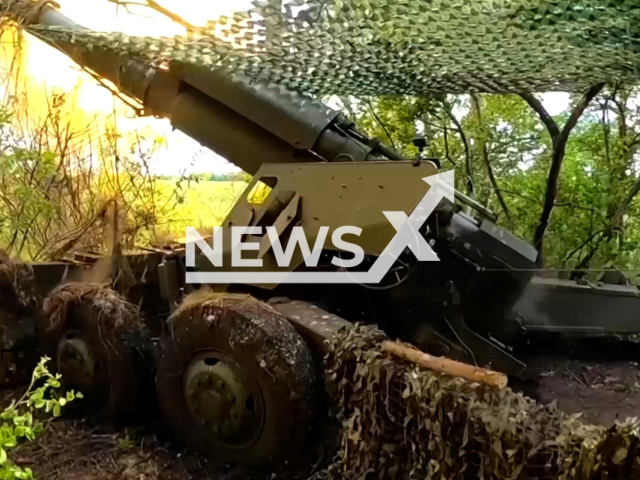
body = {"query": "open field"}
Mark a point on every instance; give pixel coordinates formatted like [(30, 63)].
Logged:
[(199, 205)]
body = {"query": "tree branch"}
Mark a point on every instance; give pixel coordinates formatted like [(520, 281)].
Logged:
[(547, 119), (446, 147), (560, 139), (373, 112), (607, 234), (152, 4), (487, 161), (515, 194), (467, 154), (579, 110), (626, 203), (582, 245)]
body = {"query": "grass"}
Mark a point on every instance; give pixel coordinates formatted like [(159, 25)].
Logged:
[(201, 205)]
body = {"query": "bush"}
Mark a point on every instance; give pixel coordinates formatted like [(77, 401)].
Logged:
[(20, 422)]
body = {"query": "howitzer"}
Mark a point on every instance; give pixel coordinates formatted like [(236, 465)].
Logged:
[(222, 377)]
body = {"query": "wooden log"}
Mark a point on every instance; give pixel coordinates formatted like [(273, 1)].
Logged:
[(446, 365)]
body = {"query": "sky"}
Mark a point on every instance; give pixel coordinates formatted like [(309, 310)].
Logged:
[(47, 69)]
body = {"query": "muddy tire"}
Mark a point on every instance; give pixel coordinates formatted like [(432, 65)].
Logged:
[(237, 383), (20, 315), (101, 348)]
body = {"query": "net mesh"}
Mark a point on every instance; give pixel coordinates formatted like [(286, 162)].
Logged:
[(372, 47), (402, 421)]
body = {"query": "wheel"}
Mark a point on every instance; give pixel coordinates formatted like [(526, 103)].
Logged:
[(20, 314), (102, 349), (237, 382)]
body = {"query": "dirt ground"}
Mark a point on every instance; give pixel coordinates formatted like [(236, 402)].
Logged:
[(579, 378), (599, 377), (75, 450)]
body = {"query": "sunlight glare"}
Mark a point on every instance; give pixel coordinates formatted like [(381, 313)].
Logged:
[(45, 70)]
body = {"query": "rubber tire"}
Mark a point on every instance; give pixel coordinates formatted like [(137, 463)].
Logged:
[(20, 315), (126, 359), (251, 332)]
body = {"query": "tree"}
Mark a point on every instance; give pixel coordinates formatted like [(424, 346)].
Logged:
[(599, 179), (559, 142)]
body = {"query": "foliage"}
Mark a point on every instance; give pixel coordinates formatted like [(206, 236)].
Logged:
[(498, 145), (72, 183), (57, 183), (20, 419), (200, 205), (509, 142), (209, 177)]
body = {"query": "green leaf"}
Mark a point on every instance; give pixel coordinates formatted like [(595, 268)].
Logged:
[(10, 442), (54, 383)]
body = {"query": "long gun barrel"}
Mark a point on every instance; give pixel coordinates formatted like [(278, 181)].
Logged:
[(245, 122)]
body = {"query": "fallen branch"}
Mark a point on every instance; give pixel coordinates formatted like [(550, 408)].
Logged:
[(446, 365)]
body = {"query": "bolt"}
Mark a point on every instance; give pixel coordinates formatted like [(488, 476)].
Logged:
[(219, 385)]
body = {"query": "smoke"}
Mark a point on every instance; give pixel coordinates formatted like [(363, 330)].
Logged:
[(530, 305)]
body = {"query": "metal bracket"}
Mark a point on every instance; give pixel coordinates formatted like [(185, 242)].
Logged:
[(483, 351)]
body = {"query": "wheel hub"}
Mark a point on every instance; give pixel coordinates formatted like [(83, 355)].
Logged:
[(76, 363), (223, 396)]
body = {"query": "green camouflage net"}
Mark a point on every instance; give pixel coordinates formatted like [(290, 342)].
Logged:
[(402, 421), (372, 47)]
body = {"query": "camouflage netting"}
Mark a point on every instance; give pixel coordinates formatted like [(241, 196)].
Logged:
[(403, 421), (367, 47), (112, 310), (14, 271), (17, 286)]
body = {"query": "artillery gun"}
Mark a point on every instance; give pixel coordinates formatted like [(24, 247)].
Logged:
[(236, 374)]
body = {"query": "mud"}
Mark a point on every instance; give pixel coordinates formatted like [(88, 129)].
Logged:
[(598, 377), (72, 450)]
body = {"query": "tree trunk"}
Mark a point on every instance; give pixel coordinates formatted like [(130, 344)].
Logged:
[(559, 143)]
